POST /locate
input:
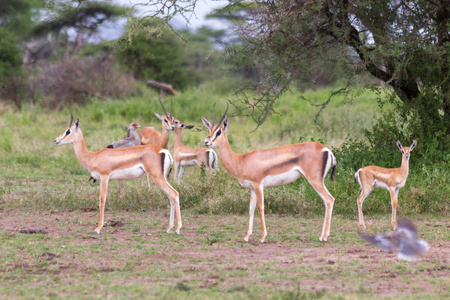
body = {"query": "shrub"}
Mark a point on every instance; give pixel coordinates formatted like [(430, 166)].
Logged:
[(72, 81)]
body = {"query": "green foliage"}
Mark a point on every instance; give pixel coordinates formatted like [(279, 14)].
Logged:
[(19, 16), (10, 56), (85, 18), (156, 55), (60, 182)]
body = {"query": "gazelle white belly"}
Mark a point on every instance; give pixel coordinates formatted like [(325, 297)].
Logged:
[(283, 178), (130, 173), (189, 162)]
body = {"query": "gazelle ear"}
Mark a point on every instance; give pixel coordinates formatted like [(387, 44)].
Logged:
[(77, 125), (399, 145), (189, 126), (414, 144), (225, 124), (159, 116), (207, 123)]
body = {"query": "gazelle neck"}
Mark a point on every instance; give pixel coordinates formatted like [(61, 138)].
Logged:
[(177, 141), (81, 152), (404, 167), (164, 137), (228, 158)]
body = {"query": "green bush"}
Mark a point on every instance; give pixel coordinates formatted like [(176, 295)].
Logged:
[(10, 56)]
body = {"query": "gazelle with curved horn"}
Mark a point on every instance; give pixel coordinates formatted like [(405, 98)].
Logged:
[(279, 166), (123, 163), (149, 135), (185, 156), (391, 179)]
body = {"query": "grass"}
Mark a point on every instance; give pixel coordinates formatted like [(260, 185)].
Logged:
[(43, 185), (149, 263)]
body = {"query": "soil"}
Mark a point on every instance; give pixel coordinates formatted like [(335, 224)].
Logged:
[(330, 267)]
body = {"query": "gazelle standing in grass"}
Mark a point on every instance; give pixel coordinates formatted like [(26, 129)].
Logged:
[(391, 179), (258, 169), (124, 163), (185, 156)]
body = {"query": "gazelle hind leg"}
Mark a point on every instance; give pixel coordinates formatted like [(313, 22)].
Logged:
[(360, 202), (251, 214), (329, 202), (173, 196)]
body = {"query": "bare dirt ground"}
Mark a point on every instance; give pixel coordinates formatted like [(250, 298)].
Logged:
[(210, 254)]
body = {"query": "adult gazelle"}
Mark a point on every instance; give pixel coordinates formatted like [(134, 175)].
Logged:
[(124, 163), (279, 166)]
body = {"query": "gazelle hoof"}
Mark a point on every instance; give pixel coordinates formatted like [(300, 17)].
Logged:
[(323, 239), (246, 239)]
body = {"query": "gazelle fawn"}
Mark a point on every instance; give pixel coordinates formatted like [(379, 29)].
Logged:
[(185, 156), (391, 179), (258, 169), (124, 163)]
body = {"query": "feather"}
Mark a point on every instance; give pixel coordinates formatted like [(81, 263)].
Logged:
[(403, 239)]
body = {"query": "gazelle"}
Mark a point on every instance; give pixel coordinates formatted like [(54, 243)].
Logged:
[(149, 135), (185, 156), (258, 169), (391, 179), (130, 140), (125, 163)]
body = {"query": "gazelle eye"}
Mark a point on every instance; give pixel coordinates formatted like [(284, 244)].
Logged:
[(68, 132), (218, 132)]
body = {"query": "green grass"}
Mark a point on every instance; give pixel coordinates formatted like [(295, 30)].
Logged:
[(149, 263), (45, 182)]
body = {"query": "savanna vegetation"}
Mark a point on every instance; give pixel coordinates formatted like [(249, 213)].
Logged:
[(53, 63)]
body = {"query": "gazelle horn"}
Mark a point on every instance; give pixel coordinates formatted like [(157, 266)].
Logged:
[(223, 116), (171, 102), (213, 121), (71, 120), (164, 107)]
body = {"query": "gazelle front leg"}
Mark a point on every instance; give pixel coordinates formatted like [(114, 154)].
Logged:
[(103, 191), (260, 201), (251, 213), (394, 203), (257, 198)]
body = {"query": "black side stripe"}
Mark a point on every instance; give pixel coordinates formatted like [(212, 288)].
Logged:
[(163, 156), (324, 163), (294, 160)]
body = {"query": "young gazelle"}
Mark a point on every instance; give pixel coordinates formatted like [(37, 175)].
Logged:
[(390, 179), (258, 169), (185, 156), (124, 163), (149, 135)]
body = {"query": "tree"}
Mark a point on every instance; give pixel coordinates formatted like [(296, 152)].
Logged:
[(69, 27), (19, 16), (158, 55), (405, 44)]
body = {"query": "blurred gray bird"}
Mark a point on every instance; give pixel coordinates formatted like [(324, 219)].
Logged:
[(130, 140), (403, 238)]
